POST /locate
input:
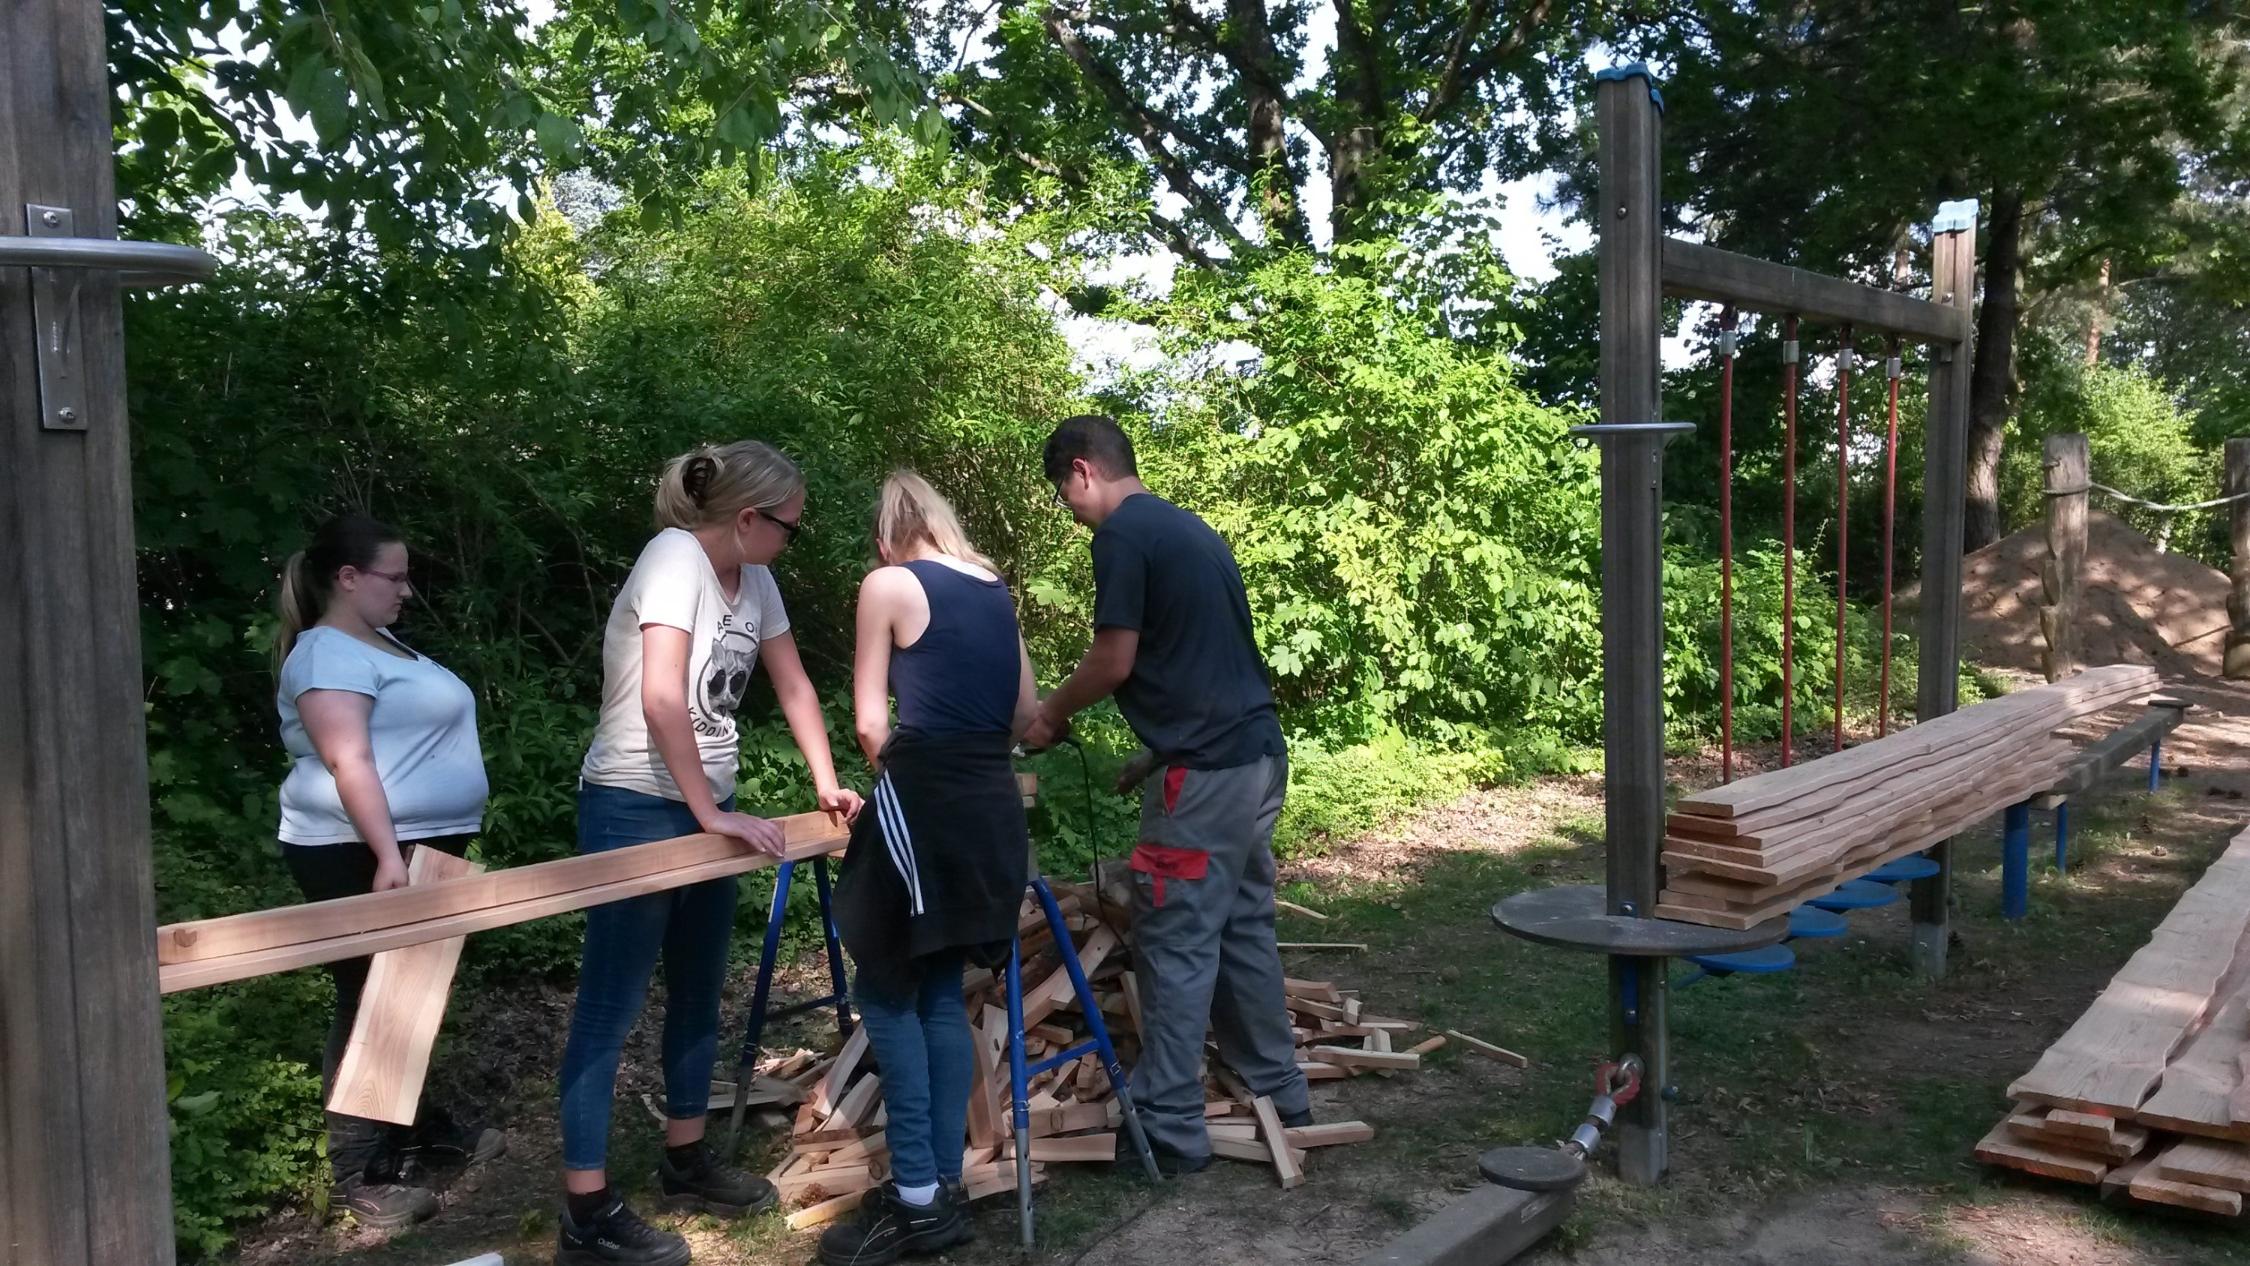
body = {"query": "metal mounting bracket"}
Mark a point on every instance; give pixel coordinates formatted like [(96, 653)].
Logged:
[(54, 315)]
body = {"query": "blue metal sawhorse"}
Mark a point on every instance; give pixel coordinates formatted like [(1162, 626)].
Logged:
[(754, 1029), (2015, 840), (1020, 1071)]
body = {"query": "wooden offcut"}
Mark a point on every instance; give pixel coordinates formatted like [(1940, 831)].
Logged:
[(2002, 1147), (388, 1056)]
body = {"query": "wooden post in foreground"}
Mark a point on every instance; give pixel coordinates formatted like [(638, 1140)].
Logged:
[(2237, 484), (85, 1165), (1945, 481), (2068, 467)]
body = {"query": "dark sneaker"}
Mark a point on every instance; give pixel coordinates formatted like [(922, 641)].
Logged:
[(1297, 1120), (383, 1205), (887, 1227), (710, 1185), (440, 1142), (1171, 1164), (617, 1237)]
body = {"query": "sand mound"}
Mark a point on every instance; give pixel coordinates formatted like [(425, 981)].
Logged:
[(2136, 605)]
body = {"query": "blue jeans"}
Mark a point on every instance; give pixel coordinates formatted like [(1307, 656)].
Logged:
[(921, 1042), (690, 927)]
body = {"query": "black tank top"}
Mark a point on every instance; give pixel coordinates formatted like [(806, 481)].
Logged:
[(961, 675)]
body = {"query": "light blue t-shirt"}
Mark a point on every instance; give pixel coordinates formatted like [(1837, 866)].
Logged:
[(423, 730)]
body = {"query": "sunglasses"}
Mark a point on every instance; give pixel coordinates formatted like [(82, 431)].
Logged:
[(790, 527)]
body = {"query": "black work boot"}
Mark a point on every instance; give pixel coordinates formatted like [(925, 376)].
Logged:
[(704, 1183), (383, 1195), (887, 1227), (438, 1141), (616, 1236)]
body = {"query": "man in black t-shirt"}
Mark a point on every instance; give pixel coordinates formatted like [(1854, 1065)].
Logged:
[(1174, 642)]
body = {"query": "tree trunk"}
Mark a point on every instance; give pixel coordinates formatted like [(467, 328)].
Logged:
[(1355, 144), (1269, 143), (1992, 383)]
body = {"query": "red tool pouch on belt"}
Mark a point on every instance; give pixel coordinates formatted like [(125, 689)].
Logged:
[(1161, 862)]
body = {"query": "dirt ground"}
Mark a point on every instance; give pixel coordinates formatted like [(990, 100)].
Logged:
[(1734, 1197)]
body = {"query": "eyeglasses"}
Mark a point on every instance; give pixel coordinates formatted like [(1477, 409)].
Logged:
[(789, 526), (395, 577)]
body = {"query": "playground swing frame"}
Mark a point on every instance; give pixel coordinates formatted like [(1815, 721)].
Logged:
[(1639, 267)]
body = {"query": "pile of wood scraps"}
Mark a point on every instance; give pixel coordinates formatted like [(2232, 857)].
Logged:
[(2145, 1095), (836, 1150), (1754, 849)]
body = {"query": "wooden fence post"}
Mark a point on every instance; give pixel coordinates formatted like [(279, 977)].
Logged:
[(85, 1160), (2068, 466), (2238, 568)]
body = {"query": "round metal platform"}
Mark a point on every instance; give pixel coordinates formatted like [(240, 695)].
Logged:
[(1574, 917), (1533, 1168)]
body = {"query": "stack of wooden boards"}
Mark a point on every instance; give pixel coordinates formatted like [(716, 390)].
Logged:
[(2145, 1095), (1752, 850), (836, 1150)]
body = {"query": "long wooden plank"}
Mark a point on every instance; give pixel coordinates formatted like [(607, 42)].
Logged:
[(215, 971), (257, 930), (388, 1056), (2201, 1077), (2116, 1052), (1695, 271)]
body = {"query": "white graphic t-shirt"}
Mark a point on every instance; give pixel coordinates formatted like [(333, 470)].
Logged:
[(673, 585)]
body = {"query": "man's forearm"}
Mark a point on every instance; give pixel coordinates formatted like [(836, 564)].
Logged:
[(1088, 684)]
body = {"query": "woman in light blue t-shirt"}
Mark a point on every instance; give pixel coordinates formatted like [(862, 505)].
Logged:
[(384, 756)]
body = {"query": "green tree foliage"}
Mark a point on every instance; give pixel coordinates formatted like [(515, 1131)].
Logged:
[(418, 110), (2141, 441), (1234, 120), (2089, 130)]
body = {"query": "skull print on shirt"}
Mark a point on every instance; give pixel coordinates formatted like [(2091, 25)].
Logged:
[(724, 678)]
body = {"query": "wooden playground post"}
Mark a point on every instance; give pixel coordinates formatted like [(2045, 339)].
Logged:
[(1945, 485), (1631, 261), (2237, 484), (85, 1163), (2068, 466)]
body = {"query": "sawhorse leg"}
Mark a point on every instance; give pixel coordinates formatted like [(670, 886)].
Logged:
[(2156, 763), (1020, 1071), (2015, 861), (745, 1069)]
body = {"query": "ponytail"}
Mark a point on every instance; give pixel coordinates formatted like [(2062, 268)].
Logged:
[(909, 511), (715, 482), (308, 579)]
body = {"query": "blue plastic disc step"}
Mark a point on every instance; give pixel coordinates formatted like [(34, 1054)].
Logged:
[(1903, 870), (1808, 924), (1857, 895), (1758, 962)]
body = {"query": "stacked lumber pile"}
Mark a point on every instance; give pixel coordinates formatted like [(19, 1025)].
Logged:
[(2145, 1095), (1752, 850), (836, 1151)]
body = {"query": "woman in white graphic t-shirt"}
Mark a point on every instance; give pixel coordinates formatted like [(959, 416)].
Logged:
[(384, 757), (699, 612)]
